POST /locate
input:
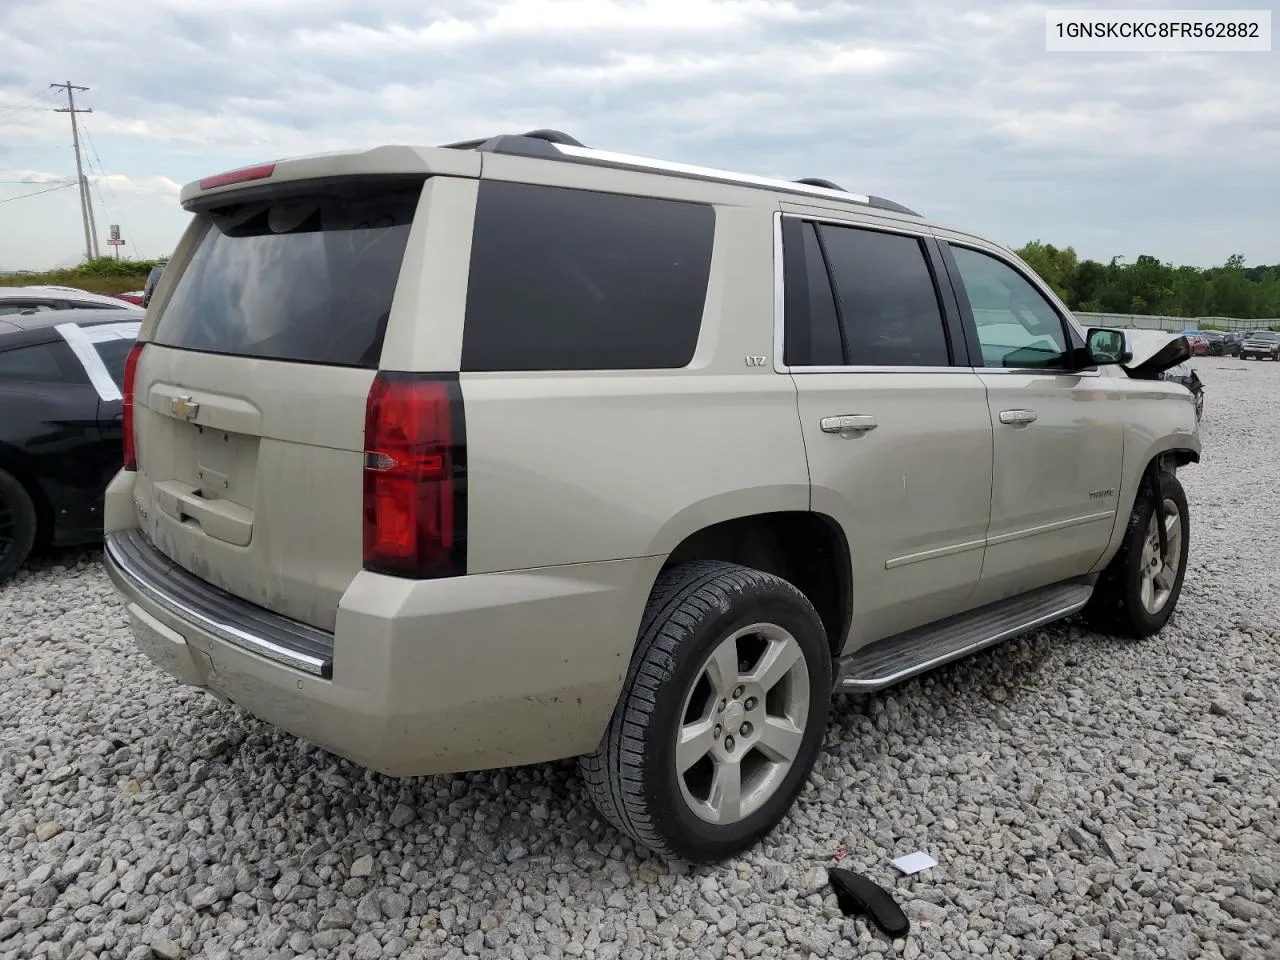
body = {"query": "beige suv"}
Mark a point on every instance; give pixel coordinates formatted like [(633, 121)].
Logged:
[(490, 454)]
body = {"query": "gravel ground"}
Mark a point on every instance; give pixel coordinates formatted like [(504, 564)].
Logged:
[(1084, 797)]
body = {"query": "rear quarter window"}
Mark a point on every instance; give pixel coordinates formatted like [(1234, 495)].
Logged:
[(567, 279), (113, 354), (306, 278)]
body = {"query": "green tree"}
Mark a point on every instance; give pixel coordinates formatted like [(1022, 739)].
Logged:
[(1056, 267), (1148, 286)]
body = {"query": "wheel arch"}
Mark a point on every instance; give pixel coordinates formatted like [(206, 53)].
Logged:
[(15, 463), (1168, 453), (805, 548)]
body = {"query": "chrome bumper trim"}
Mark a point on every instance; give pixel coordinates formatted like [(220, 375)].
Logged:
[(134, 562)]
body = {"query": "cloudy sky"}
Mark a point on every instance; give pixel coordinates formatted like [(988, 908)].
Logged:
[(956, 111)]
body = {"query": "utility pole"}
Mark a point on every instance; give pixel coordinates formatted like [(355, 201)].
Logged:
[(86, 207), (93, 222)]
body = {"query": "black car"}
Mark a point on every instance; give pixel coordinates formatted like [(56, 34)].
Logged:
[(61, 433)]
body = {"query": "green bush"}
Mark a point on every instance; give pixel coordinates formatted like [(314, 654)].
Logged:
[(102, 275)]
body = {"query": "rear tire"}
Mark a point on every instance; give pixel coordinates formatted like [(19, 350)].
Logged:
[(721, 717), (17, 525), (1137, 593)]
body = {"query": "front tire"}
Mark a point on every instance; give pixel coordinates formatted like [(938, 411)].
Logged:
[(17, 525), (1137, 593), (721, 717)]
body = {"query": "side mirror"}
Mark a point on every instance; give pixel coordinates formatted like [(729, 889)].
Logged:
[(1107, 346)]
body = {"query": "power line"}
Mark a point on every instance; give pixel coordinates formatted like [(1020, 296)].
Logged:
[(32, 102), (86, 204), (61, 186), (9, 112), (115, 201)]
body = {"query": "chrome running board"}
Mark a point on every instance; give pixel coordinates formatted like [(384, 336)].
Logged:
[(897, 658)]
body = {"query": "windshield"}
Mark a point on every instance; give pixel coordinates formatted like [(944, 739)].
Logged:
[(1264, 335)]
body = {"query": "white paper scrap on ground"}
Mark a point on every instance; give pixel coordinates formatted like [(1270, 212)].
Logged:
[(914, 862)]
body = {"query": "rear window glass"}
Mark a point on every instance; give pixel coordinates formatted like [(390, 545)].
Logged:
[(303, 278), (578, 280), (113, 354)]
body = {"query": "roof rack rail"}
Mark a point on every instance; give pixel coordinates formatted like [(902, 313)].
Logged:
[(820, 182), (554, 136), (556, 145)]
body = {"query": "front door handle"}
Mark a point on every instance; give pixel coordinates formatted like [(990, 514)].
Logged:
[(1017, 417), (849, 425)]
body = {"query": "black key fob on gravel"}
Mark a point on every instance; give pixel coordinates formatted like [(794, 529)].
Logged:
[(858, 895)]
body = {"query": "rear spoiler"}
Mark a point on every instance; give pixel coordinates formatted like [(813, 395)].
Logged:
[(386, 161)]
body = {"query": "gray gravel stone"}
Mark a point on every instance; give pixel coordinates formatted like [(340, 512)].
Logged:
[(402, 816), (368, 910), (362, 867), (394, 906), (1084, 797), (165, 949), (368, 947)]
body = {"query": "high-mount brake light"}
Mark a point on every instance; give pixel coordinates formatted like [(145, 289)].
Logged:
[(258, 172), (126, 411), (415, 507)]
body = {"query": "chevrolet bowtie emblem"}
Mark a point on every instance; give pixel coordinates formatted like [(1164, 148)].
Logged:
[(184, 407)]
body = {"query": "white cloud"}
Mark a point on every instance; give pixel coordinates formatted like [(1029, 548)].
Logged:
[(156, 185), (10, 177), (945, 108)]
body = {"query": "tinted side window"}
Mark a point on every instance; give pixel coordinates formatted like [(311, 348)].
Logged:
[(82, 305), (1017, 326), (576, 280), (888, 303), (26, 306), (34, 364), (812, 326)]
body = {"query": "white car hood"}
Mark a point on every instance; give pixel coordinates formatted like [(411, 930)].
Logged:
[(1155, 351)]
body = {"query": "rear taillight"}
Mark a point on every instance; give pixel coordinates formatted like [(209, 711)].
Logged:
[(415, 506), (126, 413)]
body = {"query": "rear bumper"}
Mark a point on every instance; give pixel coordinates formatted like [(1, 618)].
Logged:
[(420, 676), (135, 565)]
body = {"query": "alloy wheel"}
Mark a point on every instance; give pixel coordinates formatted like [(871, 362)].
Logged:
[(1159, 571), (743, 723)]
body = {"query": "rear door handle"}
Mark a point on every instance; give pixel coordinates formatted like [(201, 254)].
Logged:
[(1016, 417), (849, 425)]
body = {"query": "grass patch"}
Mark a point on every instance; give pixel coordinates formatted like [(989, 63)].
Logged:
[(103, 275)]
